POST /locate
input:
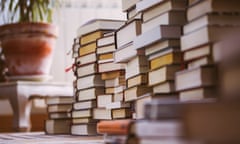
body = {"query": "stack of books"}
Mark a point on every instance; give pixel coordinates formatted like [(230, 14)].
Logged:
[(209, 21), (59, 112), (110, 105), (89, 83)]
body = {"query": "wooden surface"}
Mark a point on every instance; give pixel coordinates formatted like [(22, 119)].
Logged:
[(41, 138)]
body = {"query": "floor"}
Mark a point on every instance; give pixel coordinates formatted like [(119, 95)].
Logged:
[(41, 138)]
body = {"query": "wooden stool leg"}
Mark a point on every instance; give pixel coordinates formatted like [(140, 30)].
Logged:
[(21, 113)]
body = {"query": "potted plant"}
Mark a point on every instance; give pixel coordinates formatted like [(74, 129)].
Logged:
[(27, 36)]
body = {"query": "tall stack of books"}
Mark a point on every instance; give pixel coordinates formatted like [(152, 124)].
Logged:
[(209, 21), (88, 80), (110, 105), (59, 112)]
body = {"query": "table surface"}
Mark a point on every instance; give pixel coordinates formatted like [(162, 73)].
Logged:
[(41, 138)]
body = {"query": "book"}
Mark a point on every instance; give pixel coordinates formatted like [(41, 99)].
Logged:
[(136, 66), (197, 94), (211, 19), (204, 61), (155, 129), (106, 40), (60, 126), (126, 53), (117, 105), (84, 129), (60, 115), (105, 56), (87, 59), (128, 4), (83, 120), (116, 127), (140, 103), (127, 33), (137, 80), (198, 77), (118, 97), (159, 33), (118, 81), (167, 18), (171, 58), (205, 50), (134, 140), (102, 114), (205, 35), (87, 70), (110, 90), (87, 113), (121, 113), (59, 100), (91, 37), (59, 108), (161, 45), (110, 66), (156, 7), (84, 105), (106, 49), (90, 93), (131, 94), (99, 24), (133, 14), (111, 75), (209, 6), (165, 87), (103, 100), (87, 49), (163, 74), (89, 81)]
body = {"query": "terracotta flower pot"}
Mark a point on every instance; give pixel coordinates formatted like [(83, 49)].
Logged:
[(28, 47)]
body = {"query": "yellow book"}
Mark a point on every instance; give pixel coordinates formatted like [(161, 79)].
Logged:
[(106, 56), (87, 49), (172, 58), (111, 75), (91, 37), (137, 80)]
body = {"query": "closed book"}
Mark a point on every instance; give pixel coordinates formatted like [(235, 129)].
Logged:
[(128, 4), (127, 33), (59, 100), (133, 14), (210, 6), (106, 49), (205, 35), (171, 58), (161, 45), (60, 115), (121, 113), (167, 18), (163, 74), (61, 126), (137, 80), (86, 70), (202, 51), (91, 37), (90, 93), (198, 94), (158, 33), (89, 81), (83, 120), (87, 49), (110, 66), (116, 127), (138, 65), (117, 105), (106, 40), (139, 105), (87, 113), (118, 97), (204, 61), (133, 93), (84, 129), (126, 53), (154, 129), (102, 114), (59, 108), (83, 60), (110, 90), (193, 78), (103, 100), (165, 87), (84, 105), (118, 81), (99, 24), (105, 56), (111, 75), (211, 19)]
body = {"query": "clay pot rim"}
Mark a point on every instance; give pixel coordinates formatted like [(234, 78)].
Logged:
[(28, 27)]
